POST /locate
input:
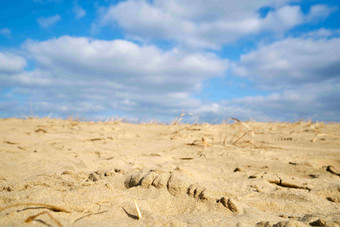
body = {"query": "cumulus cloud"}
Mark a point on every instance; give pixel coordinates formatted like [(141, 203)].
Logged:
[(207, 24), (96, 79), (322, 33), (86, 77), (316, 101), (320, 11), (114, 60), (10, 63), (45, 22), (283, 18), (79, 12), (291, 62), (303, 75)]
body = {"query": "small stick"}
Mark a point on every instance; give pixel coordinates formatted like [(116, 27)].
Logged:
[(139, 215)]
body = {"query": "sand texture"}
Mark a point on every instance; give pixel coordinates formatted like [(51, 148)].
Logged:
[(236, 174)]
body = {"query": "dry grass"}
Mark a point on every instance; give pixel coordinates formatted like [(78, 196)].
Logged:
[(202, 141), (31, 218), (139, 214), (87, 213), (244, 137), (51, 207), (182, 115), (236, 139)]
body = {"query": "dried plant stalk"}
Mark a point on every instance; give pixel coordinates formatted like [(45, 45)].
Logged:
[(241, 122), (31, 218), (180, 118), (250, 131), (139, 215), (240, 137), (91, 206), (52, 207)]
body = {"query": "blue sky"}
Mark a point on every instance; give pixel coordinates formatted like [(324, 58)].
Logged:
[(265, 60)]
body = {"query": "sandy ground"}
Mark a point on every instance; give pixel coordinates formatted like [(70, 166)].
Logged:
[(237, 174)]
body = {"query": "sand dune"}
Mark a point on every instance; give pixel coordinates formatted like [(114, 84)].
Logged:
[(237, 174)]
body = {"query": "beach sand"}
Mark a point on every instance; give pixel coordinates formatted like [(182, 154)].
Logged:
[(236, 174)]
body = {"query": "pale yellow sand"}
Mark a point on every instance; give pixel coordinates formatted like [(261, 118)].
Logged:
[(179, 175)]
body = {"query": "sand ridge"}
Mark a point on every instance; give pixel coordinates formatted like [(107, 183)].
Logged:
[(235, 174)]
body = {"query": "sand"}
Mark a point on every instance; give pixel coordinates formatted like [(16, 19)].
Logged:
[(236, 174)]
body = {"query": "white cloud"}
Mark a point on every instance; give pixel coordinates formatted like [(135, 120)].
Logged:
[(320, 11), (113, 60), (45, 22), (10, 63), (79, 12), (87, 77), (5, 32), (317, 101), (291, 62), (283, 18), (322, 33), (97, 79), (302, 73), (204, 23)]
